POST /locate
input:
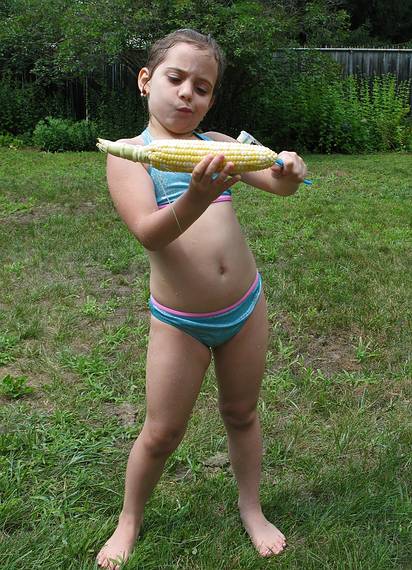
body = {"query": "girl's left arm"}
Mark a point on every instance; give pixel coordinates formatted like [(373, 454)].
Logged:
[(283, 181)]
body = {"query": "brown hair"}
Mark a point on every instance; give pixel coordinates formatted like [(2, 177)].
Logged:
[(159, 49)]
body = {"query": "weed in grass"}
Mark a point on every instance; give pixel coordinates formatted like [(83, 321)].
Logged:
[(8, 343), (16, 268), (285, 350), (91, 307), (8, 207), (364, 350), (113, 338), (15, 386), (94, 369)]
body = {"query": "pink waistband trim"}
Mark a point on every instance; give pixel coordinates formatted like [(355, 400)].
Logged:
[(225, 198), (213, 313)]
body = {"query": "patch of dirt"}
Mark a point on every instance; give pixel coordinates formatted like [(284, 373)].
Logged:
[(331, 354), (220, 459), (125, 412), (182, 473), (285, 322), (43, 211)]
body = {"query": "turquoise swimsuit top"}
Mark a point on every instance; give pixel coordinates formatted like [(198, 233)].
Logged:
[(168, 186)]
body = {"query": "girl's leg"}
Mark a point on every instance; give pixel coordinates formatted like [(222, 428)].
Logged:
[(240, 365), (176, 365)]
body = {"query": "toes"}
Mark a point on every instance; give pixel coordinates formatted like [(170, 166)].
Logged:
[(114, 564), (103, 562), (267, 551), (100, 558)]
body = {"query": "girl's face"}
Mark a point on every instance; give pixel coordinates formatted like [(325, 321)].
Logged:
[(180, 91)]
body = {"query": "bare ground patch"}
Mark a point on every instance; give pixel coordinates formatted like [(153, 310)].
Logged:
[(331, 354), (126, 413), (42, 211)]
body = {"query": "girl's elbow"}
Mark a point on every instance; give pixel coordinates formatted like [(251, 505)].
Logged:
[(143, 236), (151, 236), (148, 241), (288, 192), (150, 245)]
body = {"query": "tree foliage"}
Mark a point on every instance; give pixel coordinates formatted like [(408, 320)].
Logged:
[(385, 22), (59, 40)]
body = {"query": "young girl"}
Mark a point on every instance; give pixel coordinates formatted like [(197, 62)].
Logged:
[(206, 294)]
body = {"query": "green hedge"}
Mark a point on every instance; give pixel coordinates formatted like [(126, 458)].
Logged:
[(57, 135)]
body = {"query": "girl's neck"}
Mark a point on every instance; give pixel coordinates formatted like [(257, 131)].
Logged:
[(158, 131)]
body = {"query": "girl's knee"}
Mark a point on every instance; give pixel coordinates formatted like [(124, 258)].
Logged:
[(160, 439), (238, 415)]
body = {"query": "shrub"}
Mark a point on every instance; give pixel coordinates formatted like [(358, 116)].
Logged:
[(56, 135), (10, 141), (326, 113)]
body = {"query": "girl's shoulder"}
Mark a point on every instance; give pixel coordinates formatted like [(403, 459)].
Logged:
[(135, 140), (215, 136)]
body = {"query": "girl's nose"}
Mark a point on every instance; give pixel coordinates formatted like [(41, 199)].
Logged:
[(185, 90)]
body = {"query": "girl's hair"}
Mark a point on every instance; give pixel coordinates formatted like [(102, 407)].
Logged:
[(159, 49)]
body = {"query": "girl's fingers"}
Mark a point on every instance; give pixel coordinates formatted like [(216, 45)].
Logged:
[(209, 170), (226, 178), (200, 169), (213, 167), (289, 163), (230, 181)]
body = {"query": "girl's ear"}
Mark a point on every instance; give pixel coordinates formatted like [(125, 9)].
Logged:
[(142, 81)]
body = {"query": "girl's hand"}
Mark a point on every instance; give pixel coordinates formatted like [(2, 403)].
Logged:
[(293, 168), (208, 182)]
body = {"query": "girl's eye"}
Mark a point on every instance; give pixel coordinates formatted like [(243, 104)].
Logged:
[(174, 79), (202, 91)]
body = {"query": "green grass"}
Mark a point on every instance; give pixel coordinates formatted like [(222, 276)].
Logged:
[(336, 400)]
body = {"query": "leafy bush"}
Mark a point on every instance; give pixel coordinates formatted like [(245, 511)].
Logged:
[(10, 141), (310, 106), (351, 114), (56, 135)]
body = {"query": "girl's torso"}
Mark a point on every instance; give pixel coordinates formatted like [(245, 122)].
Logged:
[(207, 268)]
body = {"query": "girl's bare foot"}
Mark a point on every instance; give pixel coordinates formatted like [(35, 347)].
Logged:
[(267, 539), (119, 546)]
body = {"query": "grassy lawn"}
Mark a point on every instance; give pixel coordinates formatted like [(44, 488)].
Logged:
[(336, 401)]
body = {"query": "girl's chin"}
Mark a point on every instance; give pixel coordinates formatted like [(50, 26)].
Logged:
[(180, 125)]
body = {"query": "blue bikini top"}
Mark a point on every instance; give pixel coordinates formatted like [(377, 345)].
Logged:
[(169, 186)]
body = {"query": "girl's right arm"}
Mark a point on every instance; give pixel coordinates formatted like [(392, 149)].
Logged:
[(132, 192)]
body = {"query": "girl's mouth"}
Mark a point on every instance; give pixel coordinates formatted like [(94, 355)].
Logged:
[(184, 110)]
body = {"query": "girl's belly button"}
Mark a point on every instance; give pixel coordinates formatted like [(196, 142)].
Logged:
[(222, 269)]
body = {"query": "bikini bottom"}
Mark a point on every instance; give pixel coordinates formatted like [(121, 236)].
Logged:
[(215, 328)]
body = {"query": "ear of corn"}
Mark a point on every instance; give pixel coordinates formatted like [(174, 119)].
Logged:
[(183, 155)]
